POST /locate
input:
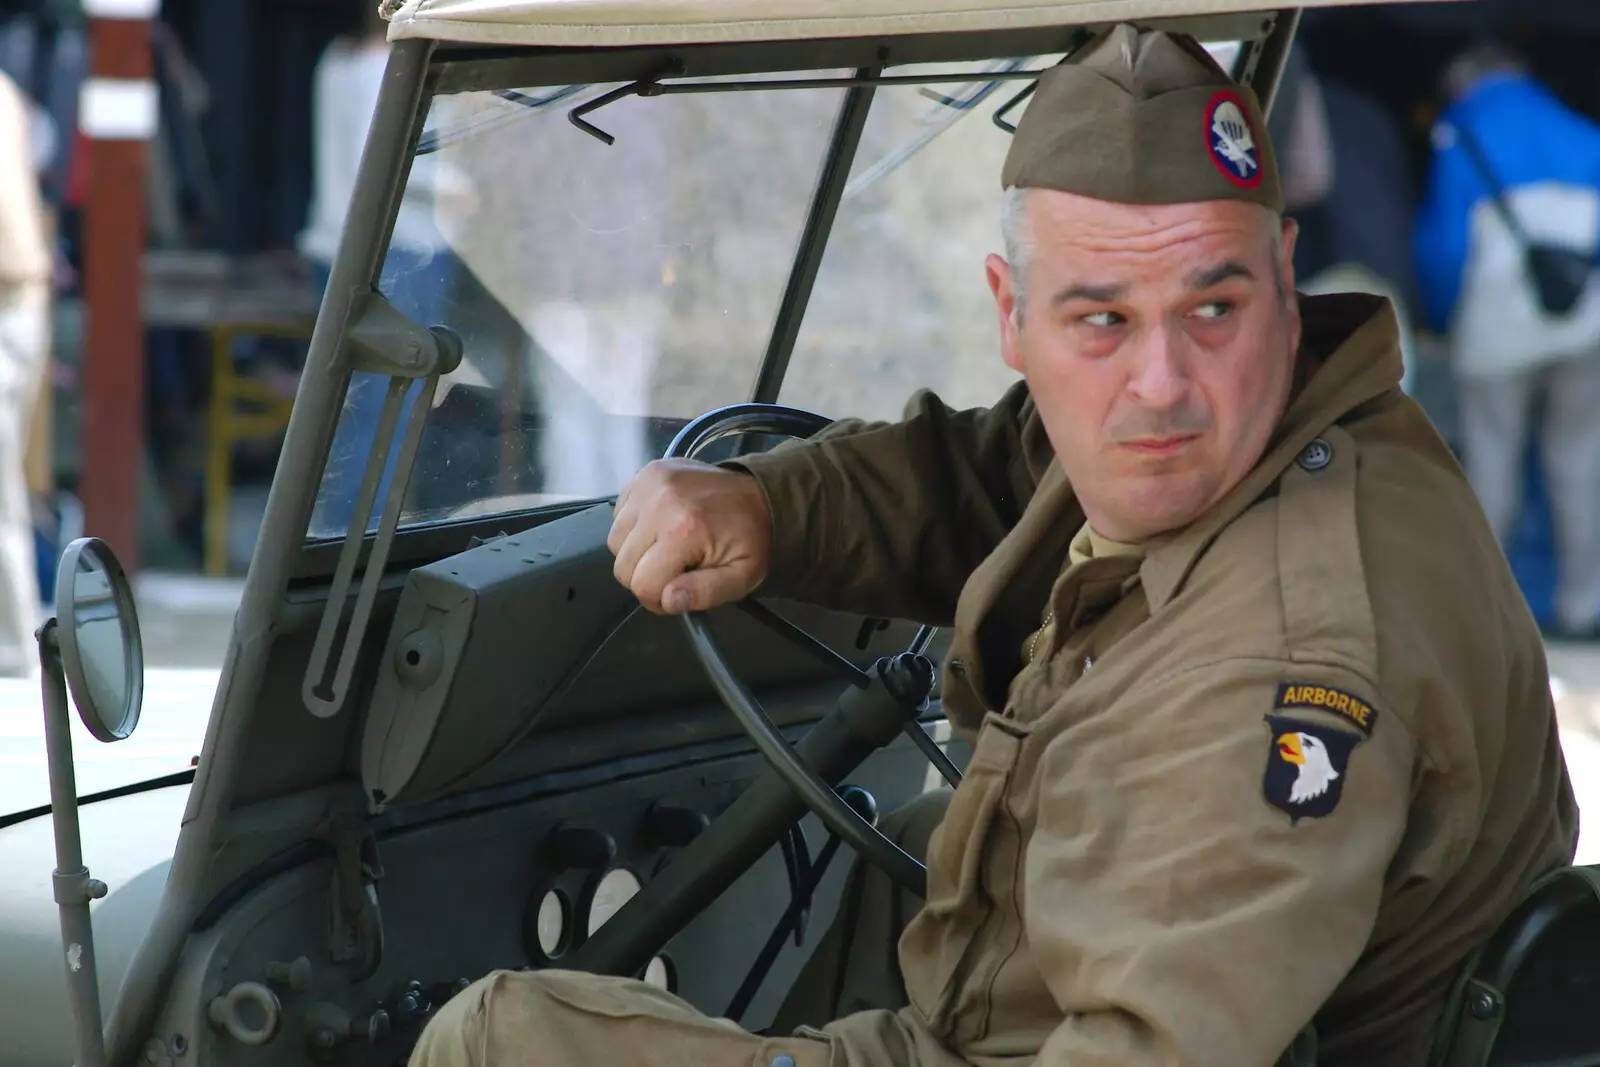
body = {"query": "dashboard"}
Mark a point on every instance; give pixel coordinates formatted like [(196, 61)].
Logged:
[(518, 886)]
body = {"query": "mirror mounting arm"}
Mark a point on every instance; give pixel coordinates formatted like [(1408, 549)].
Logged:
[(94, 649), (72, 884)]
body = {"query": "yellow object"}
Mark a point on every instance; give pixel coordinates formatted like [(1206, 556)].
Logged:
[(1290, 749), (241, 408)]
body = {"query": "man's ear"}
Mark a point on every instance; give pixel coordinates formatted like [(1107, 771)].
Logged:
[(1001, 284)]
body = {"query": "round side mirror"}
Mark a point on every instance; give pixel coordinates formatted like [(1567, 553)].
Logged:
[(101, 652)]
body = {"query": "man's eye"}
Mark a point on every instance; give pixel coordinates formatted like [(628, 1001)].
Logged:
[(1104, 318), (1216, 309)]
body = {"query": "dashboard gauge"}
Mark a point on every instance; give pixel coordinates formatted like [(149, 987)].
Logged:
[(547, 926), (614, 889), (660, 973), (551, 926)]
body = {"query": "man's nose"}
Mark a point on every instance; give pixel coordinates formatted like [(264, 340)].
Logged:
[(1160, 377)]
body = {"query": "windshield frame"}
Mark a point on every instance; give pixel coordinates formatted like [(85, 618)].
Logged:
[(461, 68)]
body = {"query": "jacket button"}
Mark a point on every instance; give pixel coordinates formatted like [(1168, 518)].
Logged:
[(1315, 456), (958, 669)]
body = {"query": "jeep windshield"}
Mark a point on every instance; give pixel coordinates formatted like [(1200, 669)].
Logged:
[(607, 293)]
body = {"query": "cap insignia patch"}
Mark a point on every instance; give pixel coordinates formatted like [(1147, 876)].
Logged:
[(1233, 143)]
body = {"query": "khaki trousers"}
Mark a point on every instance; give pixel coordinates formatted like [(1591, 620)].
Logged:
[(842, 1012)]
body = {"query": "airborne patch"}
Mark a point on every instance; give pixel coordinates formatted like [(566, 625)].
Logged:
[(1307, 764), (1348, 706)]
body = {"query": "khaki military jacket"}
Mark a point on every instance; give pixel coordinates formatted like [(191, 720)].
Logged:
[(1292, 764)]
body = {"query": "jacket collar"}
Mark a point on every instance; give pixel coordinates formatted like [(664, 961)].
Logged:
[(1349, 355)]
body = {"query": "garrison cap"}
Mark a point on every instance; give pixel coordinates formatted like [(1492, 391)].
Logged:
[(1144, 117)]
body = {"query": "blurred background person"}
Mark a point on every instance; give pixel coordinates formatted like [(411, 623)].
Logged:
[(25, 268), (1515, 363), (416, 275), (1347, 183)]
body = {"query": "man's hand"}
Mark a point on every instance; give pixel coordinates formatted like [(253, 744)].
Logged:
[(689, 536)]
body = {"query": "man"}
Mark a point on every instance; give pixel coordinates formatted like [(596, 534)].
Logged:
[(1508, 354), (1263, 734), (24, 332)]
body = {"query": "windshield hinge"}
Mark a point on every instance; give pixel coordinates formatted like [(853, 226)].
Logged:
[(384, 341)]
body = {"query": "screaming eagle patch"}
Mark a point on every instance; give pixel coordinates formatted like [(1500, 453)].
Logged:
[(1307, 764)]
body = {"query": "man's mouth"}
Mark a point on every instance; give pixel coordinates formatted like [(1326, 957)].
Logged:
[(1159, 446)]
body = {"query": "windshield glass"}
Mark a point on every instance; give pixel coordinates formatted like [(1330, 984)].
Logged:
[(604, 293), (901, 302)]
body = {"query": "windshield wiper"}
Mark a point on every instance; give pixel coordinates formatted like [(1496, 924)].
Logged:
[(432, 140), (959, 108), (655, 87)]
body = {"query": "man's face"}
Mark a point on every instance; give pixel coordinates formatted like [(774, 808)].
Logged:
[(1158, 346)]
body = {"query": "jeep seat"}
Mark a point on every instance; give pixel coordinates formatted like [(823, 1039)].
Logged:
[(1530, 997)]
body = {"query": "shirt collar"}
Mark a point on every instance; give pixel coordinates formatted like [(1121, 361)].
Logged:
[(1087, 545)]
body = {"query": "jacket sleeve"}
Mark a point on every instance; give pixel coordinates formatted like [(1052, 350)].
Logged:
[(890, 519), (1212, 931)]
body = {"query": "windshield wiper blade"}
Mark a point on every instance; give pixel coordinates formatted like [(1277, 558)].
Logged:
[(432, 140), (978, 96), (959, 107), (517, 96), (655, 87)]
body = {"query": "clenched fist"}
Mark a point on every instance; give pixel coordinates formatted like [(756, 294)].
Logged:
[(689, 536)]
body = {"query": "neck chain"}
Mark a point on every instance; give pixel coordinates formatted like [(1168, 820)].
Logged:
[(1033, 646)]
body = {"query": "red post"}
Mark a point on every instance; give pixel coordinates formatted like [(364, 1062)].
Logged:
[(118, 117)]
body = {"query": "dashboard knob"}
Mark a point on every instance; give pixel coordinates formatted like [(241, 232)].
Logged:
[(294, 976), (328, 1026), (378, 1027), (249, 1012), (861, 802), (411, 1004)]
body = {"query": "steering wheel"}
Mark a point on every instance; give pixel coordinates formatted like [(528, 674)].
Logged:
[(908, 678)]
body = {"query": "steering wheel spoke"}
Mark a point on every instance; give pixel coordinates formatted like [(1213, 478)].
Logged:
[(835, 814), (886, 700), (936, 755), (784, 628)]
